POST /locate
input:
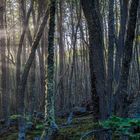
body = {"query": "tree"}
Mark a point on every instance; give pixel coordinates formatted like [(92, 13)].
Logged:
[(50, 125), (96, 57), (23, 81), (121, 94), (111, 43), (61, 53), (121, 38), (25, 20), (3, 60)]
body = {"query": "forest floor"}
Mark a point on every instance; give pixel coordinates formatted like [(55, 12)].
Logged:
[(81, 124), (74, 131)]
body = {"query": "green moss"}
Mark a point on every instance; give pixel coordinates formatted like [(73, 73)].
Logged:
[(16, 116), (40, 126), (73, 132), (81, 125), (78, 127), (10, 136)]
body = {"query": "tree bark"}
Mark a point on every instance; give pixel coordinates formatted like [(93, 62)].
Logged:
[(50, 125), (121, 39), (3, 60), (111, 37), (122, 102), (96, 57)]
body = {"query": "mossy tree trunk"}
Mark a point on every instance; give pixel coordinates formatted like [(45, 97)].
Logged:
[(50, 125)]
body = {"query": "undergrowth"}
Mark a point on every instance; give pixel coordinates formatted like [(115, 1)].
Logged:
[(80, 125)]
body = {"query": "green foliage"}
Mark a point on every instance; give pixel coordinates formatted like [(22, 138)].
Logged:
[(134, 137), (40, 126), (14, 117), (123, 126), (79, 126)]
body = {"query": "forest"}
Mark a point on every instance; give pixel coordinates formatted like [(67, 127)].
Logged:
[(69, 69)]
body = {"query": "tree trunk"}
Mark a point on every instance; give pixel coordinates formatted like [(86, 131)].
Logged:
[(23, 81), (50, 125), (122, 102), (3, 60), (25, 24), (121, 39), (61, 55), (111, 37), (97, 69)]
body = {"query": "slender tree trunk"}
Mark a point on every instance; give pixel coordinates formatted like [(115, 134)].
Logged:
[(121, 40), (50, 125), (61, 55), (122, 102), (18, 63), (41, 54), (23, 81), (111, 37), (32, 87), (3, 60)]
